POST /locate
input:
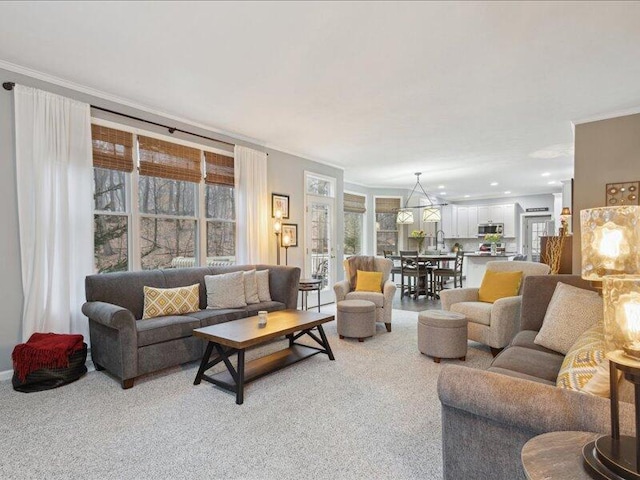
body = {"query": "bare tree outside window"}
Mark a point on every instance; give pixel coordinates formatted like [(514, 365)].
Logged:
[(387, 232), (353, 233), (111, 252)]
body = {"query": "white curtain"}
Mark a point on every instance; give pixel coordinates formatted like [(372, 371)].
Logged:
[(252, 206), (54, 175)]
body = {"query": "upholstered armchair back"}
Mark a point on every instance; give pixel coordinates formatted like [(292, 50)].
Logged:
[(381, 264), (527, 268)]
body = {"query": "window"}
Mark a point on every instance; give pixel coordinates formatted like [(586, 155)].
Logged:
[(386, 226), (113, 163), (161, 227), (317, 185), (354, 210)]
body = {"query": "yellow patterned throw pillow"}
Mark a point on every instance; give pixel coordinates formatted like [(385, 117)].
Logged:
[(581, 362), (159, 302)]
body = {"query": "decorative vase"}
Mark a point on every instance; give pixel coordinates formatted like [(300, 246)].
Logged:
[(419, 241), (494, 248)]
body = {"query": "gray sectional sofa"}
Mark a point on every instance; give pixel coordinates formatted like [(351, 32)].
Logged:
[(488, 416), (127, 347)]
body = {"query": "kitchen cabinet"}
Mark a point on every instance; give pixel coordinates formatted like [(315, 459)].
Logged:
[(463, 222), (491, 213), (450, 221), (509, 221)]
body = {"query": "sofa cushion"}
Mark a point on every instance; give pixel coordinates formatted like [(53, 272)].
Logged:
[(376, 298), (530, 362), (268, 306), (512, 373), (525, 338), (160, 302), (571, 311), (582, 361), (262, 281), (497, 285), (477, 312), (211, 317), (251, 287), (162, 329), (225, 290)]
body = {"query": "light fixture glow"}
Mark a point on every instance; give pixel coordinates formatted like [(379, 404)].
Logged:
[(551, 182), (467, 196), (493, 184), (546, 174), (431, 214), (440, 186), (507, 192)]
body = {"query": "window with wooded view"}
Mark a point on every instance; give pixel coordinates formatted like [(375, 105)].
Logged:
[(160, 228)]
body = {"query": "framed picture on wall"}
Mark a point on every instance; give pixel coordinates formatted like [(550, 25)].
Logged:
[(279, 202), (290, 230)]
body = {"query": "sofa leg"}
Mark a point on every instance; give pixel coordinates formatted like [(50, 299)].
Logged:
[(128, 383), (361, 339), (436, 359), (495, 351), (463, 358), (341, 337), (99, 367), (388, 325)]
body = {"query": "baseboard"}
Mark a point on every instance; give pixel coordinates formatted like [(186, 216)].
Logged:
[(6, 375)]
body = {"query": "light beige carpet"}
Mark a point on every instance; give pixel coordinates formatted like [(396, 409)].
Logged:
[(372, 413)]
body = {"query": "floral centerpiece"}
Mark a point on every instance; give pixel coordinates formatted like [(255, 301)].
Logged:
[(493, 238), (418, 236)]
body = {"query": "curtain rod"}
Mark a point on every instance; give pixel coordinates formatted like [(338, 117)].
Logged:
[(9, 86)]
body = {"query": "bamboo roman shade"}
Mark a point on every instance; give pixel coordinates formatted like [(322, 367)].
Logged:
[(387, 205), (219, 168), (169, 160), (354, 203), (112, 149)]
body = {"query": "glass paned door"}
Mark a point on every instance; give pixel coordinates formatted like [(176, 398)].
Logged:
[(320, 244), (535, 227)]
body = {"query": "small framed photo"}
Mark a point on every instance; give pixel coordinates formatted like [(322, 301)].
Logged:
[(290, 230), (279, 202)]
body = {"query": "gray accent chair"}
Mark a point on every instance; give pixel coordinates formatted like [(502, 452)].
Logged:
[(488, 416), (383, 301), (492, 324), (129, 347)]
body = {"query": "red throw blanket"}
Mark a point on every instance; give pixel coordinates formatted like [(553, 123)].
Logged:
[(44, 350)]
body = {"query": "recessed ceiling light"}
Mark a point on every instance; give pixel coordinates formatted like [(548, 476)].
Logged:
[(493, 184), (440, 186), (546, 174), (551, 182), (467, 196), (443, 193), (507, 192)]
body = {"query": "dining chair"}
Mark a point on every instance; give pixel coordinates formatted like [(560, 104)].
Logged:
[(395, 269), (456, 273), (413, 274)]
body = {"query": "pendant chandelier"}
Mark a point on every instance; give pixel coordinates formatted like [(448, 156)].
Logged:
[(431, 212)]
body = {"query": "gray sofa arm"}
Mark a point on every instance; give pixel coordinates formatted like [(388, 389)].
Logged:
[(341, 289), (114, 338), (110, 315), (283, 284), (505, 412), (456, 295)]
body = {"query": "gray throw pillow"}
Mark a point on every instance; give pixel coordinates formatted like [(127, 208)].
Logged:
[(251, 287), (262, 279), (570, 313), (225, 290)]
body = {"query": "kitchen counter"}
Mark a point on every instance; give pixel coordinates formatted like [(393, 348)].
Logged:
[(477, 264)]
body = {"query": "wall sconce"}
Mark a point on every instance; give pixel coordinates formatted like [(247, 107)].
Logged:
[(277, 228), (610, 237), (286, 243)]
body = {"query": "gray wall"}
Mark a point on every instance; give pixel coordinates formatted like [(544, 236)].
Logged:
[(606, 151), (285, 175)]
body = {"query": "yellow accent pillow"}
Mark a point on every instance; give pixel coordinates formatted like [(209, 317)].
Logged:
[(159, 302), (368, 281), (497, 285)]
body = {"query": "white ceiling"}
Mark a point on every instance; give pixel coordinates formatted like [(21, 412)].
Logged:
[(467, 93)]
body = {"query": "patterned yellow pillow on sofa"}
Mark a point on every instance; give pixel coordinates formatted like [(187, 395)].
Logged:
[(582, 360), (171, 301)]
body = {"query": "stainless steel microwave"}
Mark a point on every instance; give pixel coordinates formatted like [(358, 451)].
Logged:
[(486, 228)]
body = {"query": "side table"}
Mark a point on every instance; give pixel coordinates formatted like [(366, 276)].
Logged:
[(556, 455), (306, 285)]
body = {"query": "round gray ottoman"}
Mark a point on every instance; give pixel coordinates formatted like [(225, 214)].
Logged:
[(356, 319), (442, 334)]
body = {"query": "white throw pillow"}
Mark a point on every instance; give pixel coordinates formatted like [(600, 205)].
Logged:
[(225, 290), (251, 287), (571, 312), (262, 279)]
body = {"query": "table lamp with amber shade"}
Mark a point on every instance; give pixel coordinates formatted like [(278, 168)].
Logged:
[(611, 260)]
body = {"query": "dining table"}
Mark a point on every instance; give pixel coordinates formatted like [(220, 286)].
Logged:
[(434, 260)]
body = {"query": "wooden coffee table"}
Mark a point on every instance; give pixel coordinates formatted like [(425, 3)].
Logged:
[(236, 336)]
